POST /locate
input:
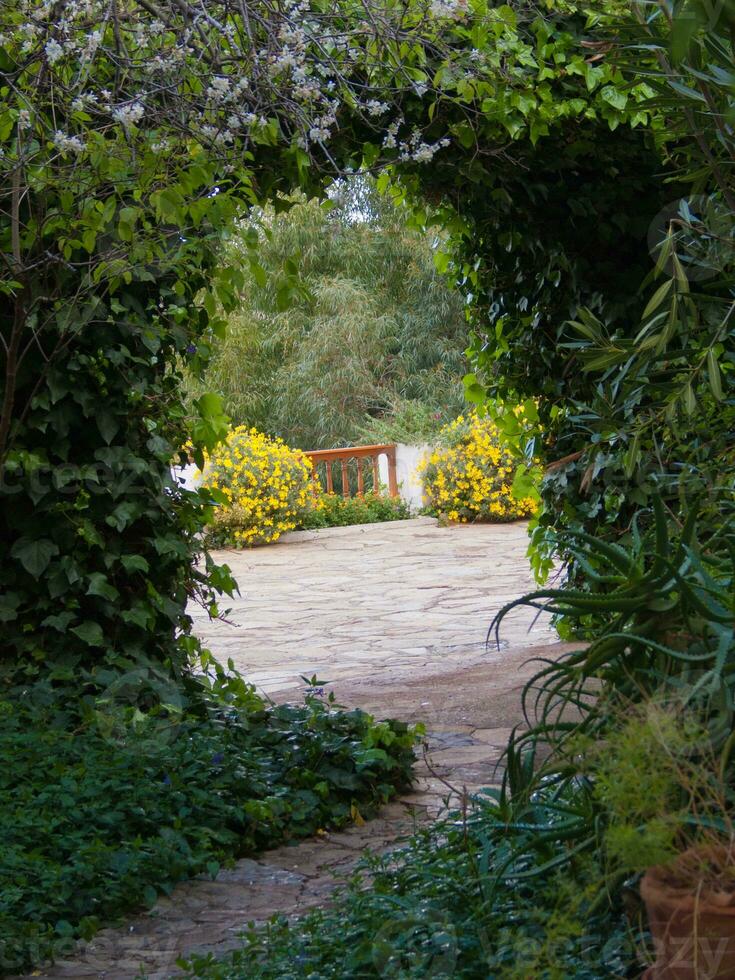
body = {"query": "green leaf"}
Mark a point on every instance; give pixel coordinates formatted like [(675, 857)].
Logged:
[(592, 331), (35, 555), (91, 633), (284, 297), (134, 563), (9, 603), (259, 273), (210, 405), (614, 97), (126, 223), (441, 262), (123, 515), (138, 615), (524, 484), (108, 426), (713, 374), (60, 622), (657, 299), (99, 585), (690, 401)]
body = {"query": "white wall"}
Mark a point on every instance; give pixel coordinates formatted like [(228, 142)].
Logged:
[(189, 477), (408, 459)]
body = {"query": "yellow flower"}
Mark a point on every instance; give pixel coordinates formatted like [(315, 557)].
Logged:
[(268, 486), (469, 475)]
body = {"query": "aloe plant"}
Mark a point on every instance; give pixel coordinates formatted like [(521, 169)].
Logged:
[(664, 607)]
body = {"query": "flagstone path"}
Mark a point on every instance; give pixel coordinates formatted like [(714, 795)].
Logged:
[(359, 601), (394, 617)]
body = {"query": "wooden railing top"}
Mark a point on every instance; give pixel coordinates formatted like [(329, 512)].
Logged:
[(352, 452)]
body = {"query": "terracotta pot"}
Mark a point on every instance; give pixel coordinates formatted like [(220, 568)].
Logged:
[(693, 926)]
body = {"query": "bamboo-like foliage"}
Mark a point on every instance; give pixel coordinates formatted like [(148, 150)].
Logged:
[(345, 318)]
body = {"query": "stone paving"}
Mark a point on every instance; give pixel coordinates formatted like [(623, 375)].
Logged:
[(354, 601), (395, 616)]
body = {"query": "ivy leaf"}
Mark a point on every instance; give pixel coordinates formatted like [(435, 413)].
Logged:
[(614, 97), (34, 556), (134, 563), (98, 585), (9, 603), (59, 622), (138, 615), (123, 515), (108, 426), (90, 633)]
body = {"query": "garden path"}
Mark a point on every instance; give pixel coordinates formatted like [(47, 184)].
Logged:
[(370, 600), (395, 617)]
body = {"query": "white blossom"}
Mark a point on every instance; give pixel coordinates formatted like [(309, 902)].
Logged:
[(445, 9), (219, 88), (54, 51), (423, 153), (66, 143), (92, 43), (376, 108), (129, 114)]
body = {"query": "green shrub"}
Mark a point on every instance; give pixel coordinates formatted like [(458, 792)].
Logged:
[(97, 822), (334, 510)]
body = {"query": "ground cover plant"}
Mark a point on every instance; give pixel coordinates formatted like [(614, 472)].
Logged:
[(104, 812)]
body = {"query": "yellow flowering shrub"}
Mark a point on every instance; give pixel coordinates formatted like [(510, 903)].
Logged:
[(468, 476), (264, 488)]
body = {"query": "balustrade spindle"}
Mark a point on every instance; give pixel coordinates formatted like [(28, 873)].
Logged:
[(345, 479)]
